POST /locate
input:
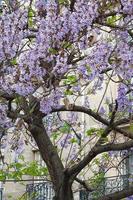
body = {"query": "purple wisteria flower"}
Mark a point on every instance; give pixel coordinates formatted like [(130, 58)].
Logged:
[(123, 99)]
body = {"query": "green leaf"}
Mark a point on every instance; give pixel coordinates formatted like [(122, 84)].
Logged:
[(97, 131), (105, 139), (91, 131), (97, 179), (106, 156), (64, 2), (70, 80), (65, 128), (111, 20), (100, 131), (53, 51), (31, 14), (2, 175), (66, 44), (73, 140), (55, 135), (13, 61), (17, 170), (89, 70), (15, 165), (16, 175), (18, 165), (44, 171), (68, 92)]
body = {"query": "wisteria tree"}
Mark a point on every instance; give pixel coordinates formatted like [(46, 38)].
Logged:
[(53, 53)]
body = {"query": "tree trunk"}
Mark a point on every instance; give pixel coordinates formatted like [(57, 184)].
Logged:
[(47, 150), (64, 192), (62, 182)]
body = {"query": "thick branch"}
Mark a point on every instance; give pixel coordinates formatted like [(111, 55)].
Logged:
[(124, 132), (97, 117), (85, 110), (83, 183), (119, 195), (123, 121), (117, 147), (96, 150)]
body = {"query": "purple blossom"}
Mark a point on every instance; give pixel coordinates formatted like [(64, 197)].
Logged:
[(53, 101), (127, 6), (46, 105), (123, 99), (66, 140)]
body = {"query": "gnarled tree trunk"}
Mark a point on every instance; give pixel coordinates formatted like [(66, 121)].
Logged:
[(65, 190), (61, 180)]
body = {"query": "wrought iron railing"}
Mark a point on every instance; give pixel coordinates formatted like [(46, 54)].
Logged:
[(44, 190), (40, 191), (108, 186)]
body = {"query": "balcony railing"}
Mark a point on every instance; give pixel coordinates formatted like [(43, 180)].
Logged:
[(40, 191), (108, 186), (44, 190)]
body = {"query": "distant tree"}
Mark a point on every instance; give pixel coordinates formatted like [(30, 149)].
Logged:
[(52, 53)]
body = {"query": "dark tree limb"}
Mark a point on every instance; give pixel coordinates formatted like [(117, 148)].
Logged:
[(97, 117), (96, 150), (83, 183), (114, 112), (47, 150), (119, 195), (72, 5), (124, 132), (85, 110), (123, 121)]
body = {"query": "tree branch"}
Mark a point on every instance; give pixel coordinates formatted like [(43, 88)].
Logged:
[(97, 117), (83, 183), (82, 109), (123, 121), (72, 5), (123, 132), (96, 150), (119, 195)]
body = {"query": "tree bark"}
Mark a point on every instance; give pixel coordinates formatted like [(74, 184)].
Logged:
[(65, 194), (62, 182), (47, 150), (119, 195), (65, 191)]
